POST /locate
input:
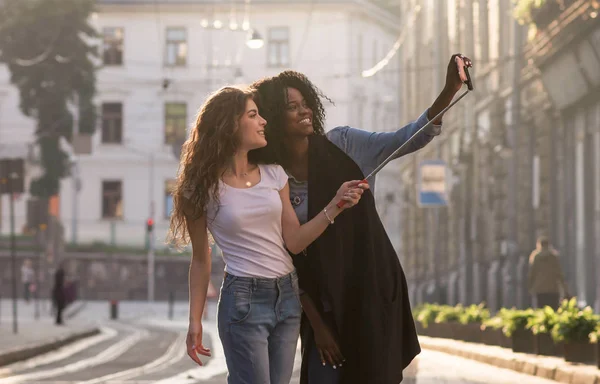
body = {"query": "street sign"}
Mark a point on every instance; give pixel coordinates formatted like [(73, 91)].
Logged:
[(432, 185)]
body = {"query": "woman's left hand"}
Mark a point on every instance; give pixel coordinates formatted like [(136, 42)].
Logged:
[(453, 80)]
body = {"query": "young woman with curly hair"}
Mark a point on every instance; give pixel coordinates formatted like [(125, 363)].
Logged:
[(357, 325), (246, 207)]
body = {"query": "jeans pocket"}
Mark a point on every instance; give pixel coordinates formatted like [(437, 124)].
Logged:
[(240, 299)]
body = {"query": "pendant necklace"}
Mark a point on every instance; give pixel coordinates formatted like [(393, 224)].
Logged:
[(248, 184)]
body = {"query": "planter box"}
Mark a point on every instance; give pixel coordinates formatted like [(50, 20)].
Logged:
[(470, 333), (579, 351), (522, 341), (545, 346), (490, 336), (598, 354)]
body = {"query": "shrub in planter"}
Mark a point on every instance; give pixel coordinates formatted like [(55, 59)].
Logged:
[(491, 333), (425, 316), (471, 319), (573, 328), (541, 326), (515, 327), (447, 321)]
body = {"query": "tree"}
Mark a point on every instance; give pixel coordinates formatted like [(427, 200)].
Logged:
[(46, 46)]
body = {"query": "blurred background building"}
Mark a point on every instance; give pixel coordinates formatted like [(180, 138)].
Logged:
[(523, 151), (161, 59)]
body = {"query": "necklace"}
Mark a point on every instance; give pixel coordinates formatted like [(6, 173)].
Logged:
[(248, 183)]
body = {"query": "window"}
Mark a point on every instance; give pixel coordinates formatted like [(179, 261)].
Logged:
[(112, 200), (279, 47), (169, 188), (175, 123), (113, 45), (176, 54), (112, 123)]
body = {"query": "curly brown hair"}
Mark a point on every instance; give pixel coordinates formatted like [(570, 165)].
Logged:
[(272, 100), (204, 157)]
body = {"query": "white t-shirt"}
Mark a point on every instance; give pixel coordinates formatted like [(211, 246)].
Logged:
[(247, 226)]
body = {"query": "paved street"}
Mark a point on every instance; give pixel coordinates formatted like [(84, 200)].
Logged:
[(144, 346)]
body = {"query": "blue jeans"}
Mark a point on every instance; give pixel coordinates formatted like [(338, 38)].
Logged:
[(259, 323)]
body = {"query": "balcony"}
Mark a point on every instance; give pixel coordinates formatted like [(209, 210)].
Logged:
[(566, 49)]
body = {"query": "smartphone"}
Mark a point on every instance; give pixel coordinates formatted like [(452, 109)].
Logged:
[(463, 72)]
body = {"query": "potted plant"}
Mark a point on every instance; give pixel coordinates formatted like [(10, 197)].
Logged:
[(492, 333), (515, 328), (425, 316), (537, 12), (447, 321), (472, 318), (541, 325), (573, 328)]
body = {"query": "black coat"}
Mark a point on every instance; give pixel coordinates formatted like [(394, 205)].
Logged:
[(355, 266)]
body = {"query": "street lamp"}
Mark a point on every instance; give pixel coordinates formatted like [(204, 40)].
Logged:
[(255, 40)]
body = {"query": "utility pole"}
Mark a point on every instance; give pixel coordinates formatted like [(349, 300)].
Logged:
[(150, 229), (12, 182)]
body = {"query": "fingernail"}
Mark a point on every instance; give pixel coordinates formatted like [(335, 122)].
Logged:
[(340, 364), (334, 367), (323, 364)]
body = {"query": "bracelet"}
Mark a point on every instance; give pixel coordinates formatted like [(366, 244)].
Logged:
[(327, 216)]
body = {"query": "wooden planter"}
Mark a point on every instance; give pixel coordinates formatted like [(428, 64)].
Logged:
[(545, 346), (491, 336), (598, 354), (522, 341), (579, 351), (470, 333)]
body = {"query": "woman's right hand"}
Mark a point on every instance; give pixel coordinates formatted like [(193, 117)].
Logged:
[(350, 193), (327, 346), (193, 342)]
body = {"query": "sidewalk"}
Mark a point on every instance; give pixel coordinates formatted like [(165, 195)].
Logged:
[(38, 336), (552, 368)]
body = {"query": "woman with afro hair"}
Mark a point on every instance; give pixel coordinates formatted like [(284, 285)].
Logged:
[(357, 325)]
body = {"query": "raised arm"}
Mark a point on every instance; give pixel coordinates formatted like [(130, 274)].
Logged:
[(297, 237), (199, 277)]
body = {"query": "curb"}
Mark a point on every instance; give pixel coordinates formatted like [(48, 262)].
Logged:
[(547, 368), (24, 353)]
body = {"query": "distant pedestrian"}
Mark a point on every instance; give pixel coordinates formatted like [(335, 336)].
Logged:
[(27, 278), (546, 277), (58, 294)]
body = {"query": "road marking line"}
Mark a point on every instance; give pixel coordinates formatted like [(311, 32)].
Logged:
[(107, 355), (214, 367), (173, 354), (61, 353)]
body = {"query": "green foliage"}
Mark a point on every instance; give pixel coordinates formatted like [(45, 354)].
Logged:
[(426, 314), (543, 321), (45, 44), (474, 314), (595, 335), (574, 324), (449, 314), (514, 319), (522, 9)]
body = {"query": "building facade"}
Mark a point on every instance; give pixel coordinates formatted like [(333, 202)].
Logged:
[(161, 59), (522, 154)]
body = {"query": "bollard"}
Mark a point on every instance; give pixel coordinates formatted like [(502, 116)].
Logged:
[(114, 309), (171, 304)]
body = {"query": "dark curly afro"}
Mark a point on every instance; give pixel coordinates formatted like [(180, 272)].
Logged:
[(272, 102)]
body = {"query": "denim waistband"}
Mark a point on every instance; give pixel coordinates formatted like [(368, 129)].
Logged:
[(264, 282)]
